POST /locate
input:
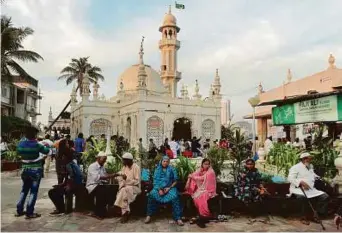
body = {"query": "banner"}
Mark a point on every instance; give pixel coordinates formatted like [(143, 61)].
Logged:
[(324, 109)]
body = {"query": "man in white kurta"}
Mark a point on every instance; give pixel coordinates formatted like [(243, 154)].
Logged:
[(302, 175), (129, 185)]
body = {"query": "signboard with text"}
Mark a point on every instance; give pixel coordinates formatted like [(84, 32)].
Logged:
[(324, 109)]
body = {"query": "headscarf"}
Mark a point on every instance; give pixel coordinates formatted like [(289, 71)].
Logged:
[(163, 179)]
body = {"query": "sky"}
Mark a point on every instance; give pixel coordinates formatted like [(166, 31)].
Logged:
[(249, 41)]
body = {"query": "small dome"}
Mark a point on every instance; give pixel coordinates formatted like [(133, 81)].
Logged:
[(129, 78), (169, 20)]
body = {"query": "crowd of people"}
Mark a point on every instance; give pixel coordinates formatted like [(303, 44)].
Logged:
[(200, 186), (196, 147)]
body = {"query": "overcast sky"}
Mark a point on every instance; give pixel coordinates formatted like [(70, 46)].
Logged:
[(250, 41)]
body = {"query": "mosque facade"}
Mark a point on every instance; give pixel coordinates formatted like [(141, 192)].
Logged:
[(147, 104)]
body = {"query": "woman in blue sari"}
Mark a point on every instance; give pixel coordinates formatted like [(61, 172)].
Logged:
[(164, 191)]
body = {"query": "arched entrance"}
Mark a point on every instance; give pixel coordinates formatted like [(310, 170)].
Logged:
[(182, 129)]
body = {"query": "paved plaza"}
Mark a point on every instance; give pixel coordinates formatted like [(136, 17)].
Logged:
[(76, 222)]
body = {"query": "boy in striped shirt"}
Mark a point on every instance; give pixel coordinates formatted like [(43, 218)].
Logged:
[(29, 151)]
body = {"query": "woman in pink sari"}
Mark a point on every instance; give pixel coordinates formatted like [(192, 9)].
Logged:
[(201, 185)]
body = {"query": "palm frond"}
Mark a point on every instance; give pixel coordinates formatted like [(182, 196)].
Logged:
[(17, 68), (24, 55)]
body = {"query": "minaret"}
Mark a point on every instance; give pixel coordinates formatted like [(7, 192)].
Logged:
[(85, 87), (197, 96), (50, 115), (169, 46), (141, 72), (217, 85)]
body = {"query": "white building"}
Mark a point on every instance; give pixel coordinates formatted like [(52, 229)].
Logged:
[(225, 112), (146, 104)]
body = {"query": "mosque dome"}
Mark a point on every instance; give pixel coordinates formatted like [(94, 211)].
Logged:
[(129, 78)]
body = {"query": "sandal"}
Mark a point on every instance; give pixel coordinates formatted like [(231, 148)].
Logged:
[(124, 218), (19, 215), (34, 215), (193, 220), (337, 221), (305, 221), (147, 220), (180, 223)]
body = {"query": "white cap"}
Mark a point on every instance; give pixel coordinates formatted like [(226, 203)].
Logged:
[(101, 154), (127, 155), (305, 155)]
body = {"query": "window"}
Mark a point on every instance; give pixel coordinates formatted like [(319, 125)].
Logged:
[(3, 91)]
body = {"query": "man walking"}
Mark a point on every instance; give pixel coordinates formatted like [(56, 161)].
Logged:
[(32, 172)]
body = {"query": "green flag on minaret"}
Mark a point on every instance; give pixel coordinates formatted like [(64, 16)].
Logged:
[(179, 6)]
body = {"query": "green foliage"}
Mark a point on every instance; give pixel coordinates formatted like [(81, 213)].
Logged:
[(324, 154), (217, 156), (184, 168), (13, 51), (266, 178), (13, 126), (239, 150), (11, 154), (113, 167), (77, 68), (283, 157)]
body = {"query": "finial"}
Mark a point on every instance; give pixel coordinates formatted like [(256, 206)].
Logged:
[(217, 72), (141, 53), (289, 75), (260, 88), (50, 109), (169, 9), (331, 61)]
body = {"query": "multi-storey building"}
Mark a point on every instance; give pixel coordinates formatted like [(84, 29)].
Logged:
[(21, 98)]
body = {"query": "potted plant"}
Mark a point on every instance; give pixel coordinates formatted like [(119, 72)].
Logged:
[(184, 168), (11, 160)]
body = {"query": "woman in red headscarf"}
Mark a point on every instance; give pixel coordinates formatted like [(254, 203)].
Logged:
[(201, 185)]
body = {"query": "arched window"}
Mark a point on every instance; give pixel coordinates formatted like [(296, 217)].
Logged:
[(208, 129), (155, 130), (100, 126), (170, 33)]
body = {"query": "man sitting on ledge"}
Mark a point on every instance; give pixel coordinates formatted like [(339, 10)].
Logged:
[(96, 178), (302, 176), (129, 185)]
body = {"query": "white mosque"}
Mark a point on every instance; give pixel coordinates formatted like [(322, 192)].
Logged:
[(146, 104)]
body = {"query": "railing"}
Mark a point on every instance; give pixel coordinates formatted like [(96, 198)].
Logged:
[(169, 42)]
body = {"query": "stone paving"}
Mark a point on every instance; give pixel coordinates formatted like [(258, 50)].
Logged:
[(77, 222)]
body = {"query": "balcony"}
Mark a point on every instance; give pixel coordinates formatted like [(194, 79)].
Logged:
[(169, 42)]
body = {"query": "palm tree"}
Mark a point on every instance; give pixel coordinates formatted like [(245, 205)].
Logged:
[(13, 51), (75, 70)]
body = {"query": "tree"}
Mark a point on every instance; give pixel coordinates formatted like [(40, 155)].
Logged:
[(74, 72), (13, 51), (77, 68)]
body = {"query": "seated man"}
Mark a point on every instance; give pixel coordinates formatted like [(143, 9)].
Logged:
[(302, 178), (72, 185), (96, 177), (249, 190), (129, 185)]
